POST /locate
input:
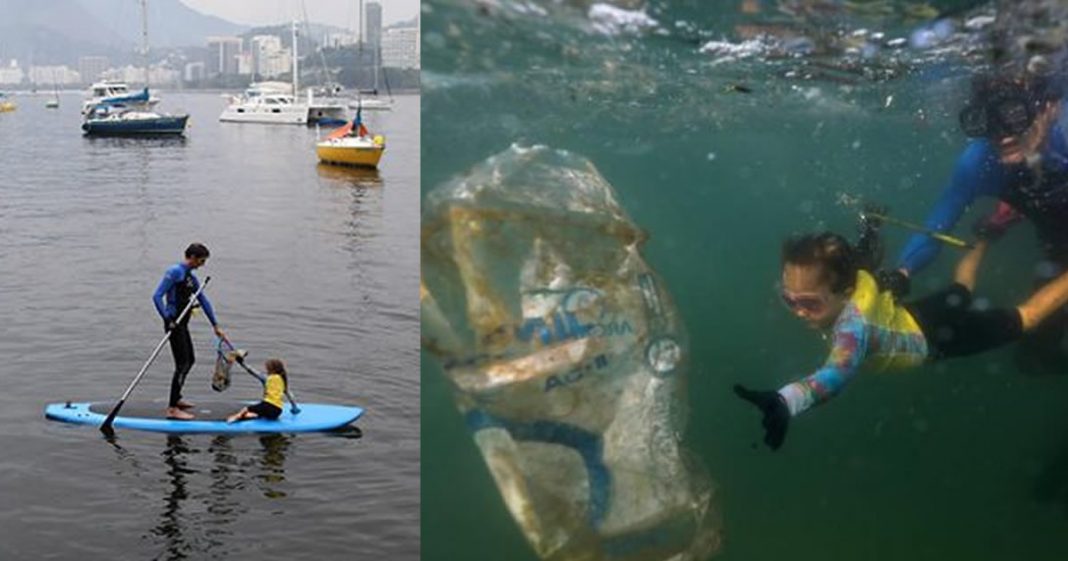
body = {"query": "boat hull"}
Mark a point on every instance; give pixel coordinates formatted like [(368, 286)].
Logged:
[(349, 156), (327, 115), (272, 116), (372, 104), (161, 125)]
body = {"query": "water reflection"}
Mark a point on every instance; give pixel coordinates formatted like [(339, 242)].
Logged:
[(351, 432), (124, 142), (350, 175), (190, 529), (171, 526), (272, 464)]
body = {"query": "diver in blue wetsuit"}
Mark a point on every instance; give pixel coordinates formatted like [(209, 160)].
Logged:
[(1019, 155), (178, 285)]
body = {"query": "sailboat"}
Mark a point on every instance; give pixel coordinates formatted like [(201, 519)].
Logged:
[(54, 102), (117, 117), (6, 105), (352, 145)]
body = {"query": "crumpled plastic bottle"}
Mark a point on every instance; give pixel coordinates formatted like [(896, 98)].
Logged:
[(566, 357)]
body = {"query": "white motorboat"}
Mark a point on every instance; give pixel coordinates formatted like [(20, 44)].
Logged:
[(266, 102), (117, 94)]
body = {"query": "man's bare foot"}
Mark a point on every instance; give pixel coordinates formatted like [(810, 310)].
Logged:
[(178, 414), (186, 404)]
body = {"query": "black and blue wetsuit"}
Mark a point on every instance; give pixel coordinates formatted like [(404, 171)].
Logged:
[(171, 297), (1040, 193)]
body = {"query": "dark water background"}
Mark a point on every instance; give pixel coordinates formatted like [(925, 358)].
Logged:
[(313, 264), (963, 460)]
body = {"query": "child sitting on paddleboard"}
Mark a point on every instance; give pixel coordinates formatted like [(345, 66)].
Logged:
[(270, 407)]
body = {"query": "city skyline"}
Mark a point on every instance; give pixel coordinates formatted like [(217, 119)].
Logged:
[(340, 13)]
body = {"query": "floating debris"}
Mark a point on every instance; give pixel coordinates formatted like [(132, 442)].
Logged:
[(612, 21)]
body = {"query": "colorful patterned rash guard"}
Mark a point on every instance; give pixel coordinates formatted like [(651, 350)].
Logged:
[(873, 332)]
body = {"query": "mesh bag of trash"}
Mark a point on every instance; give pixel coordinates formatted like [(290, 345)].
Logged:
[(566, 357), (224, 361)]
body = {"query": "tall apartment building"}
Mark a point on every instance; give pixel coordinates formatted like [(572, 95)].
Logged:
[(373, 19), (269, 59), (223, 55), (400, 47)]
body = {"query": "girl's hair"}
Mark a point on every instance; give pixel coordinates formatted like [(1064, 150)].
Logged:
[(836, 258), (275, 366)]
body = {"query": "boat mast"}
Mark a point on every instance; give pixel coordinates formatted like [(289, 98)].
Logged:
[(295, 91), (144, 37)]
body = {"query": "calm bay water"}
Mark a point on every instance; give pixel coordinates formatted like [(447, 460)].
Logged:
[(962, 460), (310, 263)]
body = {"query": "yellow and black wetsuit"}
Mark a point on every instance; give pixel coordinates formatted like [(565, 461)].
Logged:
[(270, 407)]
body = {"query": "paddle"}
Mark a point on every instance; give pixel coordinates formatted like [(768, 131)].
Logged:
[(106, 427)]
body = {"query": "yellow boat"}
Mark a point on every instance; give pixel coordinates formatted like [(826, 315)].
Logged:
[(352, 150), (352, 145), (6, 105)]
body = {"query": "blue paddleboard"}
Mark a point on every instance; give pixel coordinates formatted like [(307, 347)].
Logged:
[(210, 417)]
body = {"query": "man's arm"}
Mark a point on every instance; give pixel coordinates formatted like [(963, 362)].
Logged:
[(977, 173), (968, 266), (157, 297), (205, 304)]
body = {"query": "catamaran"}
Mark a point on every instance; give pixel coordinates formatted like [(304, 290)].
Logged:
[(277, 103)]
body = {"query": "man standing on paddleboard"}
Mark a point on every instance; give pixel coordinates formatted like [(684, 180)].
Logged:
[(179, 284)]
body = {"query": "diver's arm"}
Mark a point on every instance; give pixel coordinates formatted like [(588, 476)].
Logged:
[(968, 266), (847, 354), (977, 173), (846, 357)]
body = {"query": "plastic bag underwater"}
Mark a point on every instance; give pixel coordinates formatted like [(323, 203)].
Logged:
[(566, 357)]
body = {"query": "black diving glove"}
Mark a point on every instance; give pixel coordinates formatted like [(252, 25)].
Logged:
[(895, 281), (776, 414)]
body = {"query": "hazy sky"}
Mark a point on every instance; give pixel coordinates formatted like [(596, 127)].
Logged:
[(342, 13)]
